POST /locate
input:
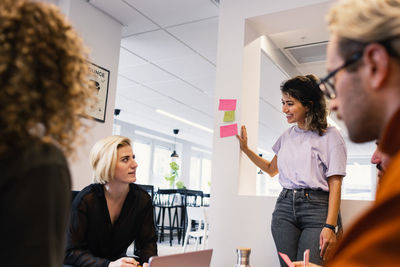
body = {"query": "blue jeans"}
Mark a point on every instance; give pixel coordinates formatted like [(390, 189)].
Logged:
[(297, 221)]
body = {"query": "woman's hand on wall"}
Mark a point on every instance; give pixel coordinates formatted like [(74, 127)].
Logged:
[(243, 138)]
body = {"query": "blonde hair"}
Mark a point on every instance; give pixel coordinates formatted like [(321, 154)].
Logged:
[(103, 157), (366, 21), (44, 88)]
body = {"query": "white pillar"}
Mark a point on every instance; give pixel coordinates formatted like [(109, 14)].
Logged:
[(238, 218)]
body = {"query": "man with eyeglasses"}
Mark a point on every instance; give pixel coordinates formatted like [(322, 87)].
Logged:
[(364, 87)]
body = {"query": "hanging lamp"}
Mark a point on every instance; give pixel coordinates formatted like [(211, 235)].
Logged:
[(174, 154)]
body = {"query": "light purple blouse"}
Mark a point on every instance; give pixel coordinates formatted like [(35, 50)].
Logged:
[(306, 160)]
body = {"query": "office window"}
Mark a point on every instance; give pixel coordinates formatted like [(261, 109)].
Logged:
[(195, 173), (200, 173), (161, 165), (360, 181), (142, 152), (116, 129), (206, 175), (267, 185)]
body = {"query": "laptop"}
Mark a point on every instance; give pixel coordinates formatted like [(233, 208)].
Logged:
[(200, 258)]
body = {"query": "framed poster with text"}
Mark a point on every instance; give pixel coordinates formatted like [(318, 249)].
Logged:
[(100, 77)]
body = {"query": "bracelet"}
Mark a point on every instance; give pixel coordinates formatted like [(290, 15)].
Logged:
[(330, 226)]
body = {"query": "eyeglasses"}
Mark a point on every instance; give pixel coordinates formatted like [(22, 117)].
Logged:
[(327, 85)]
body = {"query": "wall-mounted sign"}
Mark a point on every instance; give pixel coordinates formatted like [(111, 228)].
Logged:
[(100, 77)]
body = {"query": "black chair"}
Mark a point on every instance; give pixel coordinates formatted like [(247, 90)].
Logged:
[(206, 200), (193, 198), (168, 200), (150, 190)]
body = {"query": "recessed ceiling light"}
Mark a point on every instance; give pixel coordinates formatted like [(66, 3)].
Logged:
[(184, 120)]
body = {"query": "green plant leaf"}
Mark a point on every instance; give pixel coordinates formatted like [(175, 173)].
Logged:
[(174, 166), (171, 177), (180, 185)]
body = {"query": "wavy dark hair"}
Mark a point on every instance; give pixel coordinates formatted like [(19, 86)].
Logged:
[(44, 87), (306, 90)]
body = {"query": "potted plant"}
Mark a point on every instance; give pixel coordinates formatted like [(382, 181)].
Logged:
[(171, 178), (180, 185)]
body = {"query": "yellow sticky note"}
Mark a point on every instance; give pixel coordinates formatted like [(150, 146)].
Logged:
[(229, 116)]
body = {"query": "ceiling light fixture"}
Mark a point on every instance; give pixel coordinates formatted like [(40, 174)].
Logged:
[(183, 120), (174, 154)]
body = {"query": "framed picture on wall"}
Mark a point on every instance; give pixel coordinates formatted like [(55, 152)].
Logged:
[(100, 77)]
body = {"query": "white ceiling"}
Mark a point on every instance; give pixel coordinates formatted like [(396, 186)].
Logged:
[(168, 62)]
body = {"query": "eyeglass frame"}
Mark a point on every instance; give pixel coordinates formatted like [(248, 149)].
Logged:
[(329, 89)]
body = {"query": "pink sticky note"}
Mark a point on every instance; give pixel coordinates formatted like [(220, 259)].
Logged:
[(228, 130), (227, 104), (286, 259)]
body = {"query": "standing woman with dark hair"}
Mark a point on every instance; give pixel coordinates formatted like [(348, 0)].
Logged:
[(311, 160)]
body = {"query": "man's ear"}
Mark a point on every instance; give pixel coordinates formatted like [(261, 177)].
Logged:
[(376, 58)]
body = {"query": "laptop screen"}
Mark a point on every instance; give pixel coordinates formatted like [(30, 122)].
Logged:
[(200, 258)]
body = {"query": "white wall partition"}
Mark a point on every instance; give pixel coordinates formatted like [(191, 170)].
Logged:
[(238, 218), (102, 35)]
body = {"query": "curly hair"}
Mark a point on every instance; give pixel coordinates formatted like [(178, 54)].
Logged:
[(44, 85), (306, 90)]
